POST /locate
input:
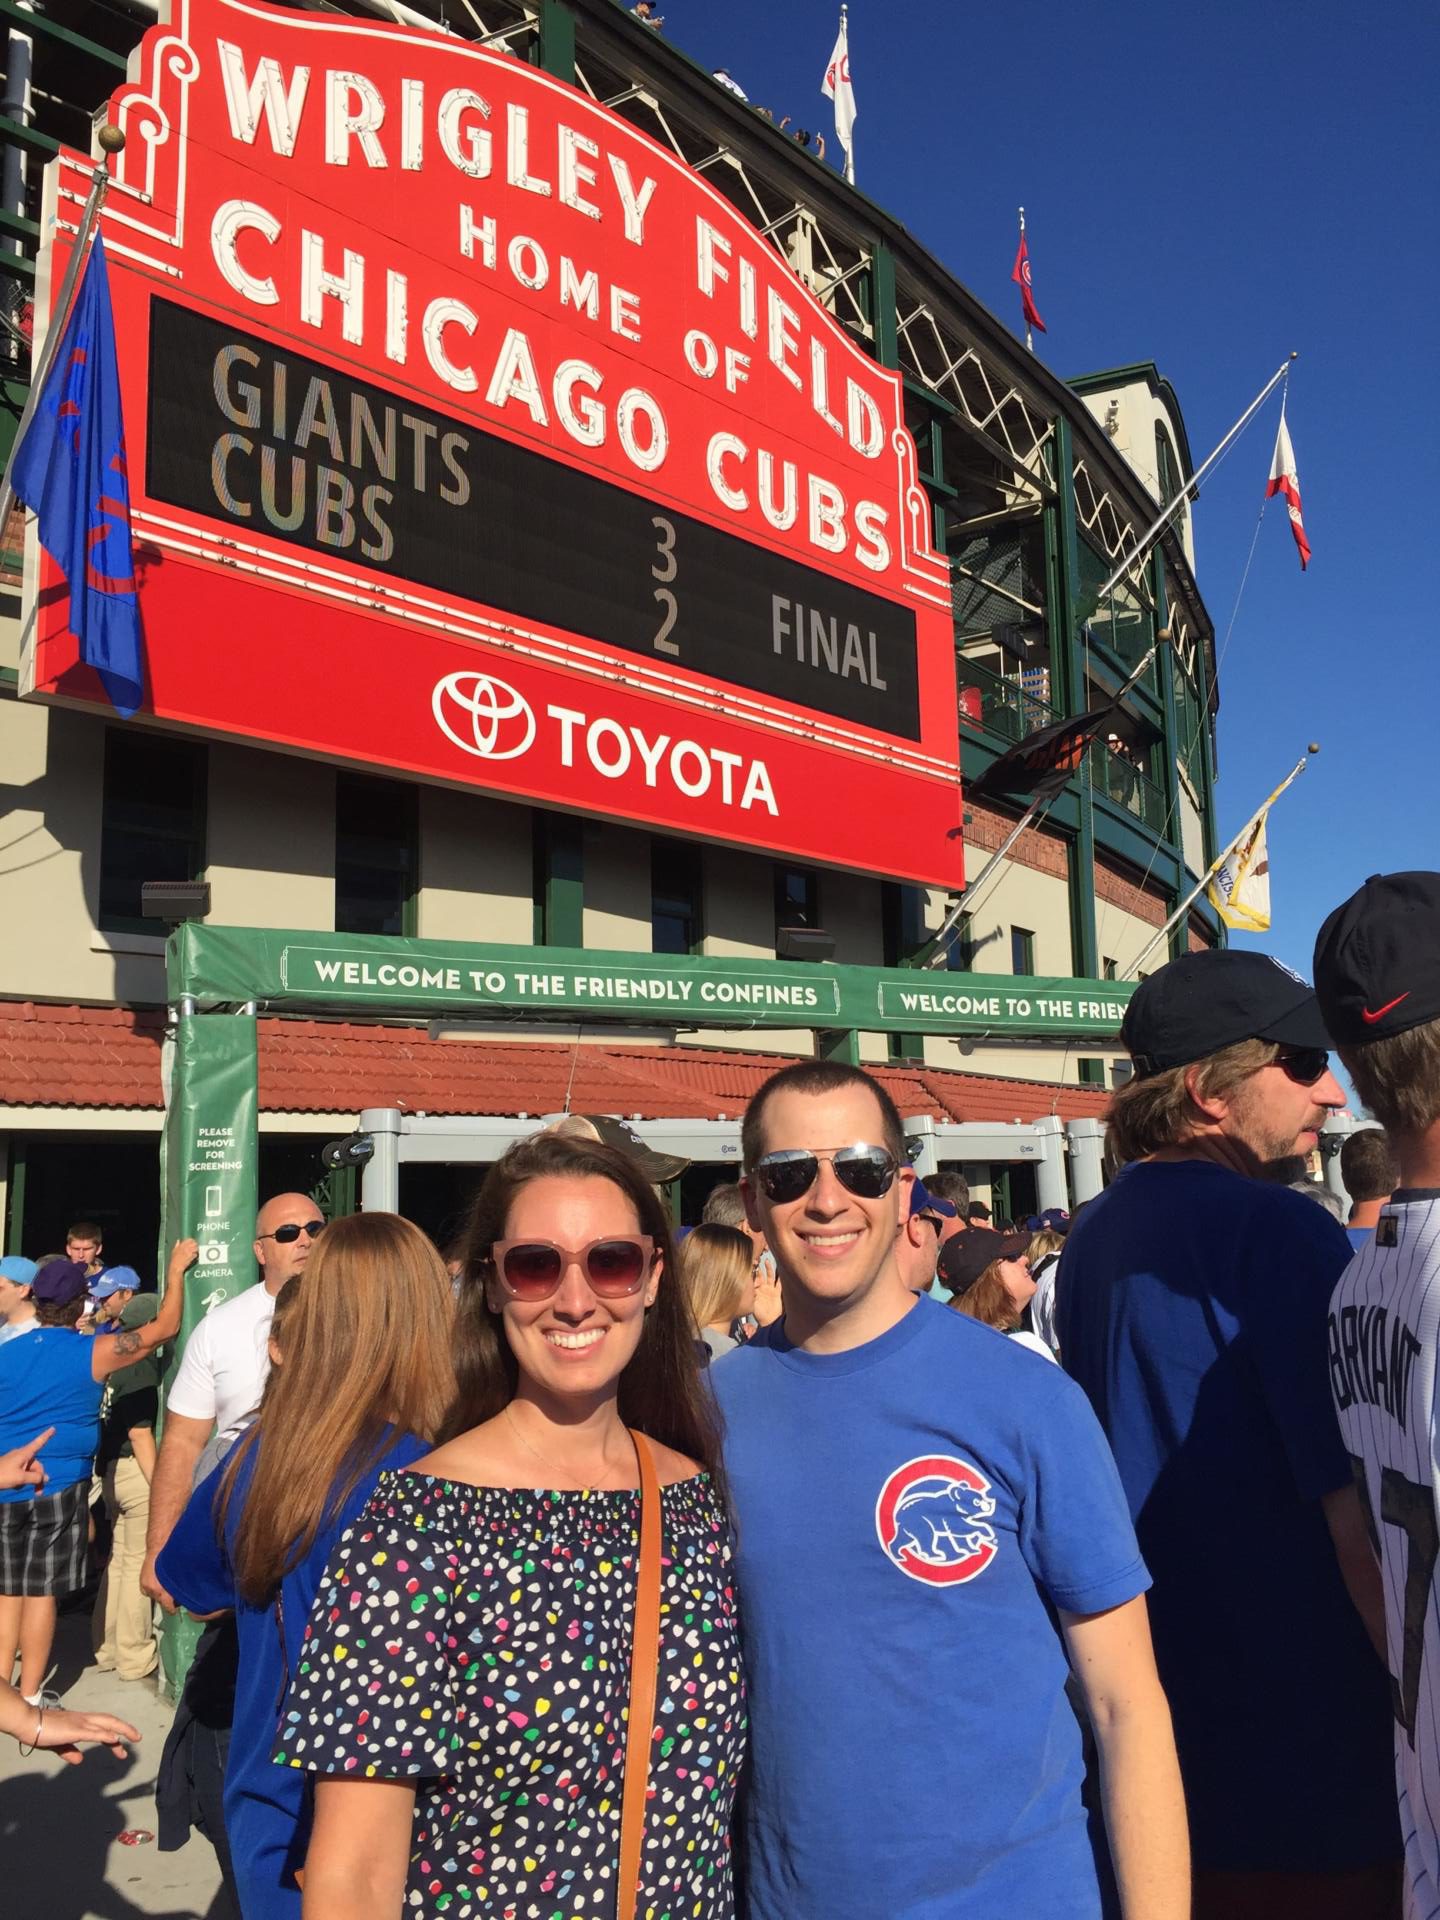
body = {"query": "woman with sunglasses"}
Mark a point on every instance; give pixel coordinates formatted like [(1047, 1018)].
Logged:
[(361, 1377), (463, 1692)]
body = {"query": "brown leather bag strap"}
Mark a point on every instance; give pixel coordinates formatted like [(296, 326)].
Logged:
[(644, 1660)]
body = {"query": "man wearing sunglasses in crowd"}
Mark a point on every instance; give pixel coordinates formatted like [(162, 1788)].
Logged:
[(222, 1374), (1192, 1309), (930, 1536)]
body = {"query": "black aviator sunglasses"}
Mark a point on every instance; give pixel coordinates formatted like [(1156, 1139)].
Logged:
[(866, 1171)]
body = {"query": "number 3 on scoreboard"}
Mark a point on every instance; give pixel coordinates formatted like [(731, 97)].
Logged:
[(1411, 1508), (665, 569)]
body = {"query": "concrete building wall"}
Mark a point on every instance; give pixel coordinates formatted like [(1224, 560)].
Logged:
[(1130, 415), (476, 868)]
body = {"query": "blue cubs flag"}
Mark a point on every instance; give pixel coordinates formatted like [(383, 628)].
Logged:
[(70, 471)]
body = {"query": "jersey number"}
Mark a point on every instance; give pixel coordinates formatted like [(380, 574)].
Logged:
[(1410, 1507)]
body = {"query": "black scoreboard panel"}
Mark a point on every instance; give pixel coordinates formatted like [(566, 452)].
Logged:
[(258, 435)]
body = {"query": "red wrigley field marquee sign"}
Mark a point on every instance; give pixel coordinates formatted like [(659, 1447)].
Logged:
[(471, 434)]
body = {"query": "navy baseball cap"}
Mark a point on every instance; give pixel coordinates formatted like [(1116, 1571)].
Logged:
[(1377, 959), (1204, 1001), (923, 1201), (59, 1282), (966, 1256)]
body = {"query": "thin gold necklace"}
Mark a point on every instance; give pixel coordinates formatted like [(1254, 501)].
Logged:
[(593, 1486)]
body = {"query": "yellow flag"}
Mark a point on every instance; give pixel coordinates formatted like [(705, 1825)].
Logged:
[(1240, 891)]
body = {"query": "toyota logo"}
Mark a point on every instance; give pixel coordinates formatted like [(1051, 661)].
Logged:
[(477, 711)]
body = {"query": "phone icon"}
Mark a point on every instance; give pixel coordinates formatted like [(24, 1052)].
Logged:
[(214, 1202)]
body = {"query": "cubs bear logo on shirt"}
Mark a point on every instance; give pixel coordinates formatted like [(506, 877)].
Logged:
[(932, 1519)]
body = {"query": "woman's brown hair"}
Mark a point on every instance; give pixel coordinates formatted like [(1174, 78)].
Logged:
[(715, 1264), (988, 1302), (661, 1392), (366, 1347)]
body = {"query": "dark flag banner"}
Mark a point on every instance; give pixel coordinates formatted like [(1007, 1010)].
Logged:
[(1037, 767)]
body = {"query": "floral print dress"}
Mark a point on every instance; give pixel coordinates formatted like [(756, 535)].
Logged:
[(477, 1641)]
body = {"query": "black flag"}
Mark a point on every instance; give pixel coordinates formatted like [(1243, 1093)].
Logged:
[(1037, 767)]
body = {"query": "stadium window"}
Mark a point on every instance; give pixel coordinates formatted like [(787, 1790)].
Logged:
[(797, 898), (1022, 950), (674, 897), (1167, 467), (377, 855), (153, 822)]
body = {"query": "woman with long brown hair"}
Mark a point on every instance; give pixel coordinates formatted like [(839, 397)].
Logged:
[(360, 1381), (465, 1686), (992, 1282)]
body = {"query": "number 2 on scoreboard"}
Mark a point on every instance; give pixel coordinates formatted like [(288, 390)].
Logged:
[(664, 569)]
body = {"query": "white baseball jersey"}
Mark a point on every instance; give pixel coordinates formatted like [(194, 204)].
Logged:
[(1384, 1325)]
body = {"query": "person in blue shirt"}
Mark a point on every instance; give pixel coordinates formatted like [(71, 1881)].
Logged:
[(1192, 1309), (361, 1379), (931, 1540), (50, 1377)]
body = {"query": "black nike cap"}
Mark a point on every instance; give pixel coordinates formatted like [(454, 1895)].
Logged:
[(1377, 959), (1204, 1001)]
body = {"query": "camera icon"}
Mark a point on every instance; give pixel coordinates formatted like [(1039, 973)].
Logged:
[(214, 1253)]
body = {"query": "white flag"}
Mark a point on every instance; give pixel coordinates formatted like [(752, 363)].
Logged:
[(1240, 891), (836, 86)]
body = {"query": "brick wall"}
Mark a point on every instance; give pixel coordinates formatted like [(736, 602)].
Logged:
[(986, 828), (1117, 889)]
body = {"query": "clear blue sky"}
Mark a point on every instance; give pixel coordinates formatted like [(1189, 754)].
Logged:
[(1207, 188)]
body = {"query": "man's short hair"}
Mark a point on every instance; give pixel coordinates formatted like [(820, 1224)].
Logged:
[(953, 1187), (1157, 1111), (1367, 1164), (85, 1230), (818, 1077), (724, 1206), (1398, 1079)]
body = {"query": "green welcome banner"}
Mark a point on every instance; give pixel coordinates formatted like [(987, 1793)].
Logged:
[(283, 970), (210, 1150)]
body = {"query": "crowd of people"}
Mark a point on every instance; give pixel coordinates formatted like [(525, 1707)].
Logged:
[(848, 1554)]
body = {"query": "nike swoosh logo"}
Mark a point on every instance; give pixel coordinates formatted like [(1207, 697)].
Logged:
[(1380, 1012)]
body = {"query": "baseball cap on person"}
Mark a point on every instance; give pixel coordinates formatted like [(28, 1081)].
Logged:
[(59, 1282), (1377, 959), (604, 1127), (965, 1258), (139, 1312), (114, 1280), (19, 1271), (1204, 1001), (923, 1201)]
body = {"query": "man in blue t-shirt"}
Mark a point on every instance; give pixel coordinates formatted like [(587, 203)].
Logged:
[(928, 1523), (1192, 1309)]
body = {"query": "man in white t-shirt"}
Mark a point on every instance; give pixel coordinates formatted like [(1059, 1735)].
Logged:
[(1377, 978), (222, 1373)]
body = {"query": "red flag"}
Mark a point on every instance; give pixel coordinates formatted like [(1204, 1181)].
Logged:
[(1285, 481), (1021, 277)]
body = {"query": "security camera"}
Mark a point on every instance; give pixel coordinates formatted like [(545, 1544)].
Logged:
[(353, 1151)]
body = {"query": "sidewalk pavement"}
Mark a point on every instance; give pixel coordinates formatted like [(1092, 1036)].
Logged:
[(60, 1858)]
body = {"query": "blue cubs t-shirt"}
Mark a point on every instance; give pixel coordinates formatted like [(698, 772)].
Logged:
[(907, 1516), (46, 1381), (1192, 1309)]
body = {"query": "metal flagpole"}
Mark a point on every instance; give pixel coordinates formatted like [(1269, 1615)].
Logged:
[(1219, 861), (850, 144), (966, 903), (1189, 485), (1029, 331), (111, 140)]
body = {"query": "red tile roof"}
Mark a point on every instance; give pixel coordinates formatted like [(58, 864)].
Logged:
[(67, 1056)]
